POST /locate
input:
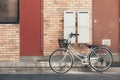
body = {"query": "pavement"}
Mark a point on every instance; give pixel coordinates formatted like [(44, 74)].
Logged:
[(40, 70), (43, 67), (67, 76)]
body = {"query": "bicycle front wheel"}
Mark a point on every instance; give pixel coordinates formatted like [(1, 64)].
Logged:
[(100, 59), (60, 61)]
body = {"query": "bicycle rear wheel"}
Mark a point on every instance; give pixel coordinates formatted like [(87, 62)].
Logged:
[(60, 61), (100, 59)]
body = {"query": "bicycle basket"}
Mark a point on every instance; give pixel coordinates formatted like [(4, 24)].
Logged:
[(63, 43)]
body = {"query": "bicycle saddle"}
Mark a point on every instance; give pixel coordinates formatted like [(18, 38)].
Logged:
[(91, 46)]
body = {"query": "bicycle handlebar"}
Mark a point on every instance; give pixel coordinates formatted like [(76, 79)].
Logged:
[(72, 34)]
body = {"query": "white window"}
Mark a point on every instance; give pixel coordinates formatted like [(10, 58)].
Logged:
[(69, 24), (83, 26)]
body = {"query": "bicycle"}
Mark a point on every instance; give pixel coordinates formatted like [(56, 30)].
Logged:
[(61, 60)]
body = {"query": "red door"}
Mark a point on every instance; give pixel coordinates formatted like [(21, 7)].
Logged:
[(106, 23), (30, 28)]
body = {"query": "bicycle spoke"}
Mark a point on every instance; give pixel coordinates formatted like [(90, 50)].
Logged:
[(63, 61), (100, 59)]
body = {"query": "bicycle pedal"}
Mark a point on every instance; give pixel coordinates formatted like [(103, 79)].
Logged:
[(86, 66), (84, 63)]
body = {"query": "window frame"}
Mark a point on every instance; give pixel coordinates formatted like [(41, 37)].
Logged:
[(17, 21)]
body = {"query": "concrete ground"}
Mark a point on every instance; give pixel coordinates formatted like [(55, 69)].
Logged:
[(67, 76), (42, 67)]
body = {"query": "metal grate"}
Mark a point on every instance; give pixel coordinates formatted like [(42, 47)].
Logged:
[(3, 7)]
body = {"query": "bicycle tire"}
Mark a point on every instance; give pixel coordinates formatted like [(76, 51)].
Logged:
[(55, 61), (100, 59)]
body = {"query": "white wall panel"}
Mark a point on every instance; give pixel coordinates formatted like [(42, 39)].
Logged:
[(68, 31), (69, 24), (84, 35), (83, 19), (69, 19), (83, 27)]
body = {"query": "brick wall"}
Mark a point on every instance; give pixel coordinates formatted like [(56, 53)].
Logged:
[(53, 20), (9, 42), (53, 28)]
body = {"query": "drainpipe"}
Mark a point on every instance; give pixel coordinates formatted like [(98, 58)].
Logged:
[(41, 26), (119, 31)]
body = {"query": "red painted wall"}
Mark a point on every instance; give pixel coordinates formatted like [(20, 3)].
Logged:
[(30, 33), (107, 16)]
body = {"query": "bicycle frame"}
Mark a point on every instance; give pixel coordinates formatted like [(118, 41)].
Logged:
[(70, 50), (73, 52)]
